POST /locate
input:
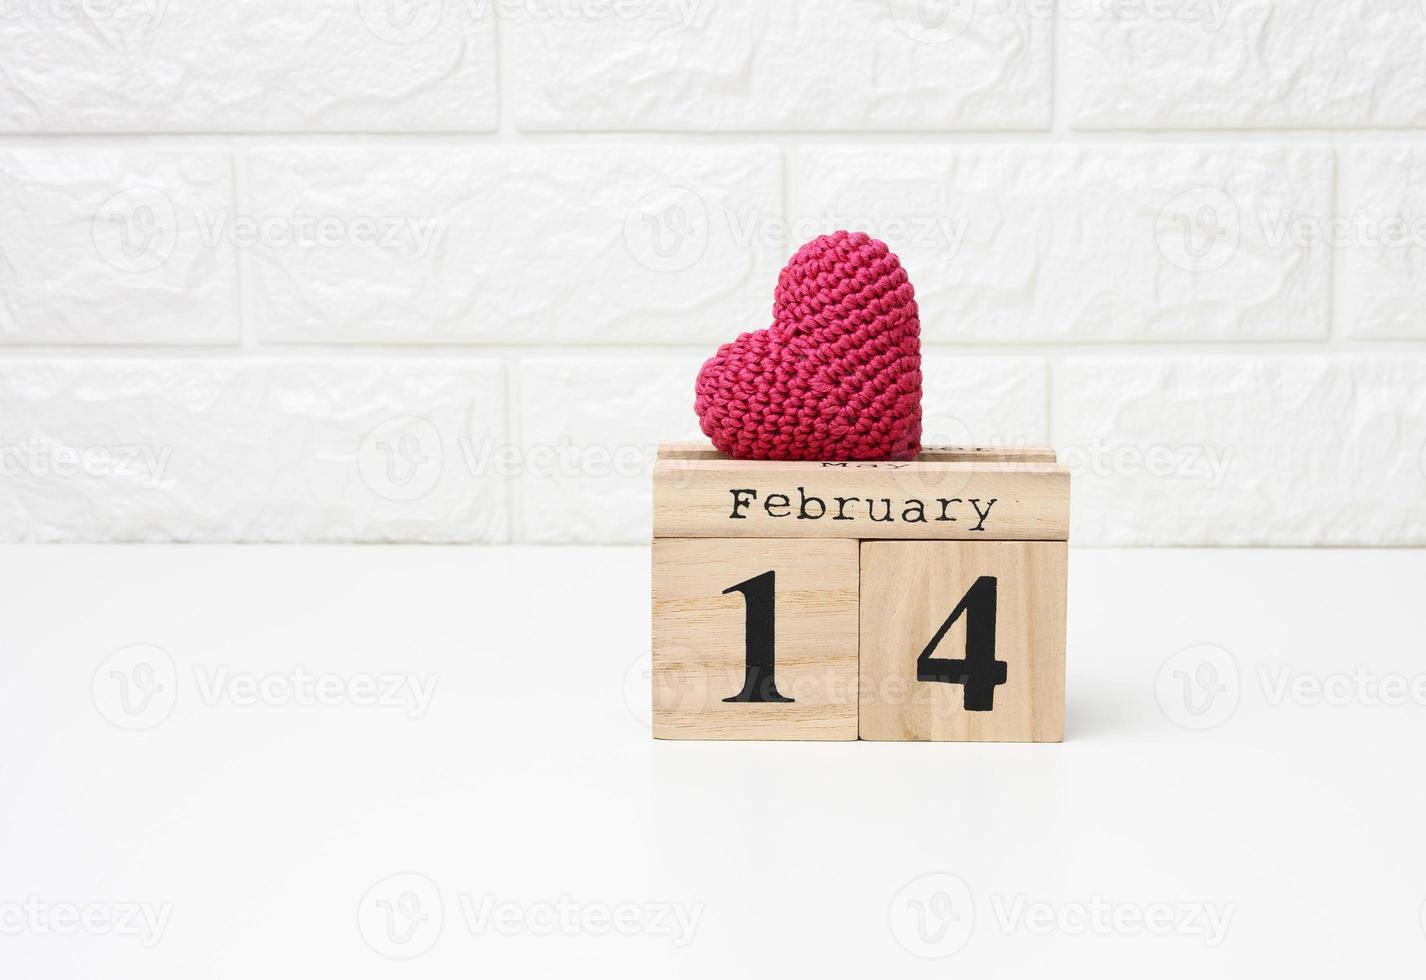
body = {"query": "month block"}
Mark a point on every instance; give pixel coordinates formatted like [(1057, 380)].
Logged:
[(963, 641), (945, 493), (755, 638)]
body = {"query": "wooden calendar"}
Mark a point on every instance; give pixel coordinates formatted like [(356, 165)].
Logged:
[(894, 601)]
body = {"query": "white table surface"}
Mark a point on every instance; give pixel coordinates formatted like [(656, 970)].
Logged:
[(527, 806)]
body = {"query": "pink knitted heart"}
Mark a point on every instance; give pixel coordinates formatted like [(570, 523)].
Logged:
[(838, 374)]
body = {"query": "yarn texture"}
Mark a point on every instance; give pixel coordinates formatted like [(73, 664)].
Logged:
[(837, 376)]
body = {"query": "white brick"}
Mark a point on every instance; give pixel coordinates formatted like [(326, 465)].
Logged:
[(250, 450), (206, 65), (1222, 63), (1034, 243), (107, 247), (1383, 277), (633, 244), (800, 64), (984, 401), (1300, 450), (589, 431)]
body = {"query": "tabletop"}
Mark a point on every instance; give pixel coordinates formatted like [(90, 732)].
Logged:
[(368, 761)]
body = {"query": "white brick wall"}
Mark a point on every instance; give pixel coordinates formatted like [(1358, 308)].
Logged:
[(359, 270)]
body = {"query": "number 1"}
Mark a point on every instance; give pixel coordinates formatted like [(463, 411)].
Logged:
[(759, 680)]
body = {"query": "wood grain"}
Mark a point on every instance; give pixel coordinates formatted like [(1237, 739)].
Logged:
[(935, 498), (909, 588), (699, 638)]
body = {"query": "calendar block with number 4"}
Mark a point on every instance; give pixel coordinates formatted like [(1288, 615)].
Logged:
[(898, 601)]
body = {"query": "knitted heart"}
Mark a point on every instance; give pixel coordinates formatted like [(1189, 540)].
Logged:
[(837, 376)]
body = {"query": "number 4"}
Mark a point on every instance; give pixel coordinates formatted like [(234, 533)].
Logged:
[(979, 673)]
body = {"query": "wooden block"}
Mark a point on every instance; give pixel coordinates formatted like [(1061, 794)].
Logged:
[(963, 641), (755, 639), (932, 497)]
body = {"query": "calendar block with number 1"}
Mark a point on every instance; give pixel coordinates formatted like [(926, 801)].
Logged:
[(905, 601)]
